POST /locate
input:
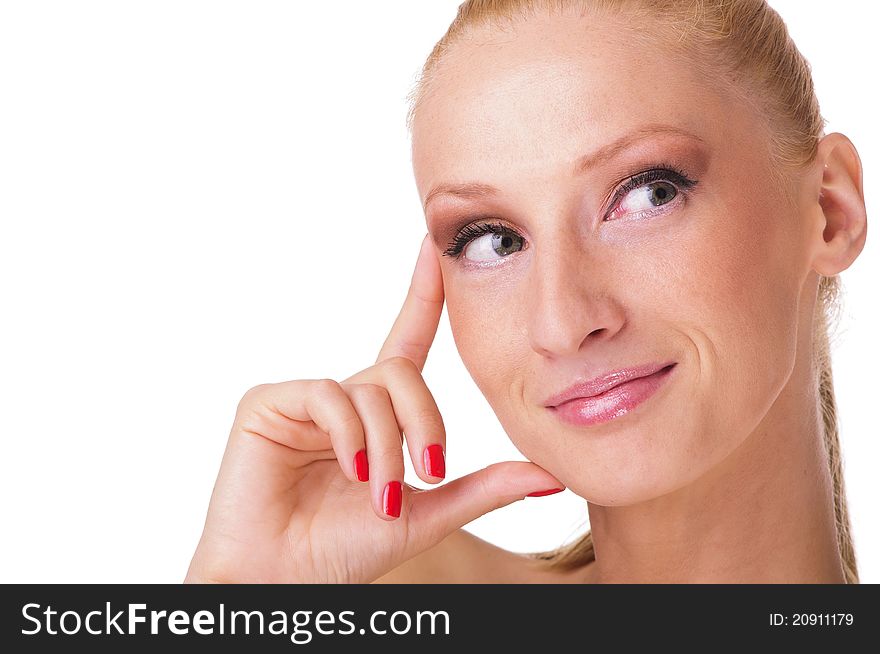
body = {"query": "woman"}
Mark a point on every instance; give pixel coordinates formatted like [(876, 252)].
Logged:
[(636, 223)]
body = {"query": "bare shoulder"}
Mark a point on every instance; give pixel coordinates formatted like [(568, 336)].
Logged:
[(462, 558)]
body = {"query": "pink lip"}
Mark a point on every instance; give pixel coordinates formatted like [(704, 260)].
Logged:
[(609, 396)]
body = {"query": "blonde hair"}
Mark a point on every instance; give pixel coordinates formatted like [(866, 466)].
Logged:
[(747, 42)]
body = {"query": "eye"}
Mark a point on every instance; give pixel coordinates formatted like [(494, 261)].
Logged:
[(647, 193), (648, 196), (486, 242)]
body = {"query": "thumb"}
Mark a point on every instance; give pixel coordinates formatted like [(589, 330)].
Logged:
[(439, 511)]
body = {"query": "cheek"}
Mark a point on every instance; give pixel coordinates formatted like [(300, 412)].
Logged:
[(474, 329), (752, 275), (736, 290), (466, 324), (484, 319)]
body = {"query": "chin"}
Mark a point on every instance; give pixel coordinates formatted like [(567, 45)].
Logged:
[(619, 479), (631, 459), (640, 462)]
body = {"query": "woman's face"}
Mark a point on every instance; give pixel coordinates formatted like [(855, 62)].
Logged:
[(710, 275)]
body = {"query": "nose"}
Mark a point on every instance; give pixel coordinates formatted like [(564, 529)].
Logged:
[(571, 301)]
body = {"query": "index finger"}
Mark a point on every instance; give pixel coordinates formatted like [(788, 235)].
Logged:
[(416, 325)]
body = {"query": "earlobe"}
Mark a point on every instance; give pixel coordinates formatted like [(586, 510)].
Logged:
[(841, 202)]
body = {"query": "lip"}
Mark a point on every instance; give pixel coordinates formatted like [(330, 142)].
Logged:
[(602, 383), (612, 395)]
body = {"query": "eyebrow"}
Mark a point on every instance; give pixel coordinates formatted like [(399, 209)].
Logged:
[(474, 190)]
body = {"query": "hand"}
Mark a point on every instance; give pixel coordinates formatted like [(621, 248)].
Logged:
[(288, 505)]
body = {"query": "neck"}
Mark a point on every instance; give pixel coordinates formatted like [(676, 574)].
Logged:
[(763, 515)]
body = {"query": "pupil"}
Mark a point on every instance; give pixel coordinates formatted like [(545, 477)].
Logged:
[(660, 194), (503, 244)]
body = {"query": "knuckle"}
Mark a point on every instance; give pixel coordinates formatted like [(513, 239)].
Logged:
[(497, 472), (251, 395), (489, 486), (324, 388), (431, 421), (349, 424), (485, 484), (492, 478), (399, 365), (389, 451), (369, 391)]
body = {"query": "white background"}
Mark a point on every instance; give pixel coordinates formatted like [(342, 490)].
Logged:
[(197, 197)]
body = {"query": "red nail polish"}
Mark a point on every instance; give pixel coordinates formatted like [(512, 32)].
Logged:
[(391, 499), (361, 466), (545, 492), (435, 462)]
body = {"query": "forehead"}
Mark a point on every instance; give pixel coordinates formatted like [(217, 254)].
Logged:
[(532, 99)]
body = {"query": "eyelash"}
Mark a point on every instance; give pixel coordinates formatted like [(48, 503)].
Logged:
[(664, 172)]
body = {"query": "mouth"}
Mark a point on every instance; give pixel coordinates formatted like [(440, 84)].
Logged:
[(611, 397)]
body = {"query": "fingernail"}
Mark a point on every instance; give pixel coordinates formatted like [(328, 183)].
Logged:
[(391, 499), (362, 466), (435, 461), (545, 492)]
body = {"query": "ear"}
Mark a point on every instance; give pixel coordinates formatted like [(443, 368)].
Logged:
[(842, 223)]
